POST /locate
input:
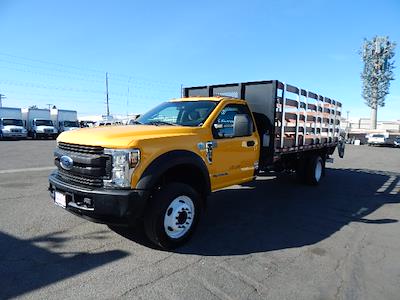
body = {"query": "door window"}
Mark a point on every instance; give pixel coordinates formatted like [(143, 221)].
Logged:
[(223, 125)]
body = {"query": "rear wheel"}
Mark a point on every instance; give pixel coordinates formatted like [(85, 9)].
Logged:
[(315, 170), (172, 215)]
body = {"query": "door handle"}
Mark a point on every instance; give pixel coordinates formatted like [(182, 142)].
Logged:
[(250, 143)]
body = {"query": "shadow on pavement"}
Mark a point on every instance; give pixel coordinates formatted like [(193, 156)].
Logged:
[(275, 213), (25, 267)]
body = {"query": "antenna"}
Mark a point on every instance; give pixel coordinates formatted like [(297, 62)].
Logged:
[(127, 97), (108, 108)]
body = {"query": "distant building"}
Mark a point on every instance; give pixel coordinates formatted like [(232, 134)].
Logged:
[(364, 125)]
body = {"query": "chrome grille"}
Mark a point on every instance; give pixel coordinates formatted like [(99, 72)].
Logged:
[(81, 148), (90, 165), (80, 180)]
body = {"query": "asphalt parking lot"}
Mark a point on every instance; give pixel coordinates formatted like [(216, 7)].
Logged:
[(270, 239)]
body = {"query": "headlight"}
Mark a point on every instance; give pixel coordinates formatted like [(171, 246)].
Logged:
[(124, 163), (6, 130), (55, 130)]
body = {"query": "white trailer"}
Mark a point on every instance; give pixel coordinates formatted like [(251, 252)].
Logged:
[(11, 125), (38, 123), (64, 120)]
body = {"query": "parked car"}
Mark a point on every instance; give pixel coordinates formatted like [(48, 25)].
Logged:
[(377, 139), (396, 141)]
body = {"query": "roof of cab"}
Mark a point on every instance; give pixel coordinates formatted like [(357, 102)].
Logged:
[(197, 98)]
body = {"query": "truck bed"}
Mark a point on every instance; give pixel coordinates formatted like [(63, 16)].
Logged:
[(289, 119)]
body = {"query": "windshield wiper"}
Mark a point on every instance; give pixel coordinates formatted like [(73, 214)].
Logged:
[(157, 123)]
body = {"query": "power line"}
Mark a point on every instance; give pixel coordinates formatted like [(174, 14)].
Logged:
[(86, 69), (78, 76)]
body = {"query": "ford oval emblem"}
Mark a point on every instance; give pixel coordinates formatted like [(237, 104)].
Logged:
[(66, 162)]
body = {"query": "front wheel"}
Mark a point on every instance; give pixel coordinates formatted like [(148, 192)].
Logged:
[(172, 215)]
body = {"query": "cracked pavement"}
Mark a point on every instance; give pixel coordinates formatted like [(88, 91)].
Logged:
[(270, 239)]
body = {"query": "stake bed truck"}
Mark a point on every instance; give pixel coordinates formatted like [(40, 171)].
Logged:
[(161, 169)]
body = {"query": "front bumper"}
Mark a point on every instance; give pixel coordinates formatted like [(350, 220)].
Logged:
[(118, 207), (377, 142), (15, 134), (46, 134)]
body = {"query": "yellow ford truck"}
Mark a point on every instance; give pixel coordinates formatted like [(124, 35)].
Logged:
[(161, 169)]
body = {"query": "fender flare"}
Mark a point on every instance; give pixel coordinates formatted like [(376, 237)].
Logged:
[(168, 160)]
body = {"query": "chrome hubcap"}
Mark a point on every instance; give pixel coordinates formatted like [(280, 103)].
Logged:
[(179, 217)]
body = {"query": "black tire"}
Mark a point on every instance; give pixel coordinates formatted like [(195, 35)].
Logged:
[(1, 135), (157, 211), (341, 149), (315, 170)]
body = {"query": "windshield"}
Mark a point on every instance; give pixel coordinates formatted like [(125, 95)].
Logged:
[(184, 113), (12, 122), (378, 136), (71, 124), (44, 123)]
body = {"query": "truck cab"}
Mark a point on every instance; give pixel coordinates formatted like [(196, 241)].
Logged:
[(11, 125), (161, 169), (12, 128), (38, 123), (42, 128), (64, 120), (68, 125)]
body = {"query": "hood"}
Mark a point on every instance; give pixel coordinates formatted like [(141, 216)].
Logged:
[(122, 136)]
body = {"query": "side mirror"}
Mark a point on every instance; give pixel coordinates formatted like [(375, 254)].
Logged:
[(242, 125)]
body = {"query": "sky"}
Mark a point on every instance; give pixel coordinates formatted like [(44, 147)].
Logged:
[(58, 52)]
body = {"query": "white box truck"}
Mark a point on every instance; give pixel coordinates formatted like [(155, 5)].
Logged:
[(11, 125), (38, 123), (64, 120)]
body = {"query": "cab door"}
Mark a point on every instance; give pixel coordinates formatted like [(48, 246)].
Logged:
[(233, 159)]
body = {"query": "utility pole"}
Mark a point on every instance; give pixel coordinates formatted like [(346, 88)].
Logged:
[(49, 104), (348, 122), (377, 55), (108, 108), (1, 98)]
